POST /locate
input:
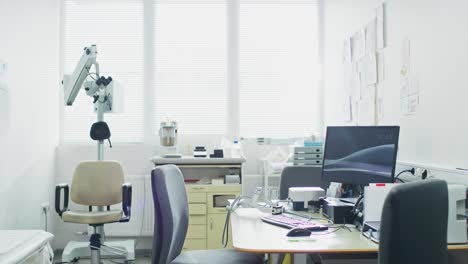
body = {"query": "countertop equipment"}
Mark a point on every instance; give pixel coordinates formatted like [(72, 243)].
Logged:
[(168, 139)]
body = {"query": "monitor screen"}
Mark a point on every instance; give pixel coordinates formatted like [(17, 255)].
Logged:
[(360, 155)]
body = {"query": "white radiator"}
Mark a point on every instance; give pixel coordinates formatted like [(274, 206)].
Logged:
[(142, 218)]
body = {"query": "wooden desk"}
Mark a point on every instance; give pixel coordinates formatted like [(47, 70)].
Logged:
[(250, 234)]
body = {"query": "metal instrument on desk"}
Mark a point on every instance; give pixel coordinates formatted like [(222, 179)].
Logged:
[(302, 197)]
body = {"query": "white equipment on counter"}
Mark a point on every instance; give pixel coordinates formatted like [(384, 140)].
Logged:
[(168, 139), (302, 196)]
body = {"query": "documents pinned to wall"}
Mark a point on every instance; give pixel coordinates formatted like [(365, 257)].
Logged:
[(380, 26), (409, 84), (363, 63), (409, 95)]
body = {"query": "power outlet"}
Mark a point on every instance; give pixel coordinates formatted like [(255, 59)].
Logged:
[(45, 207), (422, 173)]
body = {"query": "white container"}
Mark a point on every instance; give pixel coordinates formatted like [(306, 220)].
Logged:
[(236, 150)]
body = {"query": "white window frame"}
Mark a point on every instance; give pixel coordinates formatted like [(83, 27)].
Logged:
[(232, 71)]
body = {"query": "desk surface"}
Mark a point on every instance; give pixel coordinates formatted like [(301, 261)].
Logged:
[(250, 234)]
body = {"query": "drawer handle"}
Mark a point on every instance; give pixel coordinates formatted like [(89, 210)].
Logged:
[(198, 188), (211, 223)]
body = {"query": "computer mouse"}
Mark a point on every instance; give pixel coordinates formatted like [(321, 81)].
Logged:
[(298, 232)]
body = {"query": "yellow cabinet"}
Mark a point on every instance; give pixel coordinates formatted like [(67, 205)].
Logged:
[(215, 231), (207, 209)]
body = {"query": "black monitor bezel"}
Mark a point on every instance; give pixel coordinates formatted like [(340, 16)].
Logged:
[(391, 179)]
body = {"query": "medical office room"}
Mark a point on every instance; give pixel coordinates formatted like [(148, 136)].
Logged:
[(233, 131)]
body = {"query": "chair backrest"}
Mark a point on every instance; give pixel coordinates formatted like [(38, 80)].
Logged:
[(171, 213), (414, 224), (97, 183), (300, 176)]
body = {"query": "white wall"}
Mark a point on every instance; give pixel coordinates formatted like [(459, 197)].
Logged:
[(436, 134), (435, 137), (29, 43)]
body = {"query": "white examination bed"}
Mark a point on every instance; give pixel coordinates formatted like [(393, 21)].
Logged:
[(25, 247)]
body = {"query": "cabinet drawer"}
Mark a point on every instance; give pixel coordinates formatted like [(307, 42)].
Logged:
[(197, 220), (196, 197), (194, 188), (194, 244), (217, 202), (196, 231), (197, 209)]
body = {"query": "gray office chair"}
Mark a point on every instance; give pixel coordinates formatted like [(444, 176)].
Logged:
[(300, 176), (171, 224), (414, 224), (96, 183)]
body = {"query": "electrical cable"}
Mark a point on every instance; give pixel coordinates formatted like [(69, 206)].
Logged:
[(90, 74), (333, 231), (308, 217), (401, 172), (234, 205)]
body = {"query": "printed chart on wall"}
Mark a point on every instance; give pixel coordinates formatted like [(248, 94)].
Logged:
[(409, 87), (363, 69)]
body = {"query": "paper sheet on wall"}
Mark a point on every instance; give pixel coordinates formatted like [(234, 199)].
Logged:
[(355, 88), (405, 58), (380, 108), (348, 116), (409, 95), (370, 67), (366, 108), (359, 45), (347, 50), (380, 26), (371, 37), (380, 67)]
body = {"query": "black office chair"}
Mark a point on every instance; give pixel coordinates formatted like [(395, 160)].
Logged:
[(414, 224), (171, 224), (300, 176)]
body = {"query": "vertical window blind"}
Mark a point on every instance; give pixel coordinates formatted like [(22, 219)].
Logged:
[(279, 68), (278, 59), (116, 27), (190, 65)]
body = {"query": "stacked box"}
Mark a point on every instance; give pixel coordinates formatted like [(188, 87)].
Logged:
[(308, 156)]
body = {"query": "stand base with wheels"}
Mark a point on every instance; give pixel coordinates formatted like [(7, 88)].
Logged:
[(76, 250)]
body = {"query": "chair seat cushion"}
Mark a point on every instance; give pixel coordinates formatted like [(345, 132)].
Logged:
[(224, 256), (85, 217)]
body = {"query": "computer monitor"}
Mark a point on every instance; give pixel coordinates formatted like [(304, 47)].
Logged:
[(360, 155)]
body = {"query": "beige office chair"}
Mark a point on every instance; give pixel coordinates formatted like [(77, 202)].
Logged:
[(101, 184)]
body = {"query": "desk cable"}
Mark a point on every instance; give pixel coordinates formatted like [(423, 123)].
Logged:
[(412, 171), (230, 208)]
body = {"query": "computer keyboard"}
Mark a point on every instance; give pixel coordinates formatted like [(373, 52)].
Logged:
[(290, 222)]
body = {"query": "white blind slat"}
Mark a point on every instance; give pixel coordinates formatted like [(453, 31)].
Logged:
[(116, 27), (279, 68), (190, 65)]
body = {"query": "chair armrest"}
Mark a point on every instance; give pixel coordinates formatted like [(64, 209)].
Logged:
[(58, 192), (126, 201)]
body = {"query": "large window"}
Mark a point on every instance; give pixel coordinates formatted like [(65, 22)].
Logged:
[(116, 27), (279, 70), (192, 50), (190, 64)]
